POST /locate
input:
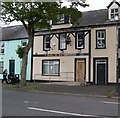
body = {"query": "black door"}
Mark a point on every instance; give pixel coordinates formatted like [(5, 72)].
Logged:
[(11, 66), (101, 73)]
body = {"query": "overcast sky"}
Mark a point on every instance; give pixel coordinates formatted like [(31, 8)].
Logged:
[(93, 5), (96, 4)]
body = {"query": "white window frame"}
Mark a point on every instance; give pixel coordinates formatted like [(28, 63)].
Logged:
[(51, 67), (62, 19), (1, 66), (100, 39), (79, 39), (46, 41), (114, 13), (63, 38)]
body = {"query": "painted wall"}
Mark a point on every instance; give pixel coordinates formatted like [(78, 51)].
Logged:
[(67, 63), (10, 54), (109, 52)]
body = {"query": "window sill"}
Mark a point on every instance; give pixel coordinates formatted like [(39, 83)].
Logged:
[(101, 48), (50, 75)]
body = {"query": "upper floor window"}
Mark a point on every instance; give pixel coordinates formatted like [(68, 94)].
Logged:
[(2, 47), (62, 41), (46, 41), (23, 43), (114, 13), (80, 40), (62, 20), (51, 67), (100, 39)]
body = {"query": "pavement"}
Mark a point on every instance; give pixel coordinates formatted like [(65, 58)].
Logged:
[(78, 89), (75, 88)]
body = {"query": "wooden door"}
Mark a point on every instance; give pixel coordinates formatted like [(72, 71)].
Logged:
[(80, 70)]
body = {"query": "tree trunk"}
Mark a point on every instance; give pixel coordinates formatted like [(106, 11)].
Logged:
[(30, 32), (24, 68)]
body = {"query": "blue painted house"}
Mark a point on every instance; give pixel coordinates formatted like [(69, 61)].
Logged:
[(13, 36)]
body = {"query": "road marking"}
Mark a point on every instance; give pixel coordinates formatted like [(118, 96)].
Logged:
[(60, 112), (26, 102), (106, 102)]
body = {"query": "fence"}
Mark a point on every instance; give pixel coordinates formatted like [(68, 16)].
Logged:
[(63, 76)]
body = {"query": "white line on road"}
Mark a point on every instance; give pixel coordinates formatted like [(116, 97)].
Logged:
[(106, 102), (60, 112)]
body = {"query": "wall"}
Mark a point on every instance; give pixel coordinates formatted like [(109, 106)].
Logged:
[(10, 53)]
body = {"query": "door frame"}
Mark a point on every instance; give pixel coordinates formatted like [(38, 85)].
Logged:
[(75, 74), (105, 61)]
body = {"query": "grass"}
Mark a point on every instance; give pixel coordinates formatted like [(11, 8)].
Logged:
[(30, 86), (109, 95)]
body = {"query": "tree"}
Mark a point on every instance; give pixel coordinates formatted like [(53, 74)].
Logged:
[(36, 15)]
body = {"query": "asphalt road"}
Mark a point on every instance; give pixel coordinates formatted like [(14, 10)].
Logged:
[(27, 103)]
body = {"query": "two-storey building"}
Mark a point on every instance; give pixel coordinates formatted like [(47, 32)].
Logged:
[(12, 36), (87, 51)]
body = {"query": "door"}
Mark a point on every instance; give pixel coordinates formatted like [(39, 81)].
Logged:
[(11, 66), (100, 71), (80, 71)]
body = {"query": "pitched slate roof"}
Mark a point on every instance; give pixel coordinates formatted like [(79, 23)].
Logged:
[(14, 32), (94, 17), (89, 19)]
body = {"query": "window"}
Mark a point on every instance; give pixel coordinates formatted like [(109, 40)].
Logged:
[(63, 20), (46, 39), (1, 67), (23, 43), (62, 41), (2, 46), (51, 67), (100, 39), (114, 12), (80, 40)]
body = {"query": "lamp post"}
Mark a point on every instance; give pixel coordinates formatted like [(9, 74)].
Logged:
[(117, 77)]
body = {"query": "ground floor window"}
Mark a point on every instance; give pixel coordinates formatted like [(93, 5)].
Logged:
[(50, 67), (1, 67)]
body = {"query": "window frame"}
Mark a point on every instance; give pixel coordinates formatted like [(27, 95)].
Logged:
[(2, 48), (102, 30), (114, 13), (49, 74), (22, 42), (44, 42), (62, 41), (1, 67), (76, 40), (63, 19)]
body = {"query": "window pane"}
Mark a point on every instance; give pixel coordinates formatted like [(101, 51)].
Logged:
[(50, 67), (101, 39), (47, 42), (63, 41), (80, 40)]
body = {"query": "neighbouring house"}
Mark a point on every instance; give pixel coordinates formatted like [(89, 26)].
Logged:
[(13, 36), (88, 51)]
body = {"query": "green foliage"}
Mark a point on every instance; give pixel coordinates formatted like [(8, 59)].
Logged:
[(109, 95), (34, 16), (20, 51)]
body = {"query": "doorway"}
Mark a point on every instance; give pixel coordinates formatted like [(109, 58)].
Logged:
[(80, 69), (11, 67), (100, 71)]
